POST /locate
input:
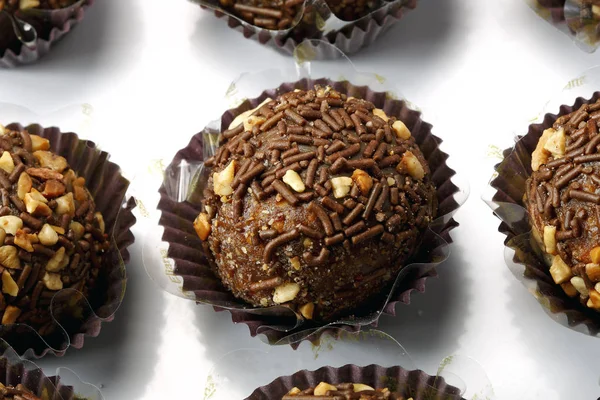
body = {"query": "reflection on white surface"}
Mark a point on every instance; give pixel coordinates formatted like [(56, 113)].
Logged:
[(482, 70)]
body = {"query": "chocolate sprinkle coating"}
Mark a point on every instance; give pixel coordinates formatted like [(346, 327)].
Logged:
[(328, 243), (564, 194), (52, 238)]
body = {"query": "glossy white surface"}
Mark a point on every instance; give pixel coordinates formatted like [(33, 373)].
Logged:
[(480, 69)]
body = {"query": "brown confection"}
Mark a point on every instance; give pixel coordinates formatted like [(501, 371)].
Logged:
[(281, 14), (342, 391), (563, 198), (18, 392), (315, 201), (51, 235)]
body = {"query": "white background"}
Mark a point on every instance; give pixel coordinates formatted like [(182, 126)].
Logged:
[(152, 70)]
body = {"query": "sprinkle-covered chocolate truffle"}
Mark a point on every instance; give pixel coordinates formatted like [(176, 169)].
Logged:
[(343, 391), (315, 201), (563, 200), (51, 236)]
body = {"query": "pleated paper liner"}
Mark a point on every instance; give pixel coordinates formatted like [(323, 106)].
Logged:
[(50, 25), (370, 357), (348, 36), (76, 316), (185, 252), (64, 386), (416, 383), (523, 254)]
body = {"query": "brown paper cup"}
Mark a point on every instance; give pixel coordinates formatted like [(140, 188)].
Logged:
[(416, 384), (76, 316), (279, 324), (510, 186), (352, 37), (51, 26)]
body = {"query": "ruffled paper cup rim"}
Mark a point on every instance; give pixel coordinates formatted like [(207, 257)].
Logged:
[(508, 197), (29, 55), (416, 383), (185, 249), (103, 177), (350, 38), (14, 371)]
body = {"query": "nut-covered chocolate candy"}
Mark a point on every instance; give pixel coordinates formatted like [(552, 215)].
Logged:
[(563, 200), (281, 14), (51, 236), (343, 391), (18, 392), (315, 201), (14, 5)]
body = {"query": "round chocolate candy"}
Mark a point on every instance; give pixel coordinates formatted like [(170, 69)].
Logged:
[(315, 201), (51, 236), (563, 200)]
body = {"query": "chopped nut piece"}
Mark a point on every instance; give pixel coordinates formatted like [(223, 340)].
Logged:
[(6, 162), (2, 130), (411, 164), (24, 185), (294, 181), (560, 271), (381, 114), (65, 204), (48, 236), (359, 387), (10, 315), (322, 389), (9, 257), (391, 181), (341, 186), (22, 240), (293, 391), (286, 292), (540, 154), (54, 189), (307, 310), (295, 263), (243, 116), (36, 207), (55, 263), (77, 228), (595, 255), (44, 173), (556, 143), (569, 289), (579, 284), (28, 4), (80, 193), (594, 299), (52, 281), (253, 120), (550, 239), (39, 143), (50, 160), (202, 226), (222, 180), (402, 132), (36, 195), (100, 221), (363, 181), (9, 286), (593, 272), (11, 224)]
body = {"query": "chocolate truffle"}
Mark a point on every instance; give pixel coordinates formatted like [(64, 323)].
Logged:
[(281, 14), (563, 198), (315, 200), (22, 5), (50, 233), (343, 391)]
